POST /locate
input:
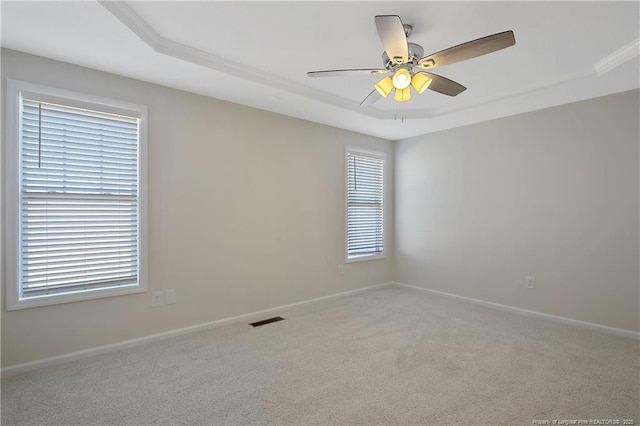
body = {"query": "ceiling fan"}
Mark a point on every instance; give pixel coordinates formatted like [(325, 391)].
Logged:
[(406, 67)]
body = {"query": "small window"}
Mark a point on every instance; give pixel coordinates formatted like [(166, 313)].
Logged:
[(78, 198), (365, 205)]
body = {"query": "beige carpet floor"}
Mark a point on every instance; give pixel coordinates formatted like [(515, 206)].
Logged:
[(388, 356)]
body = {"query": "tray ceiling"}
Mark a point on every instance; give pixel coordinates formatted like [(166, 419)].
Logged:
[(258, 53)]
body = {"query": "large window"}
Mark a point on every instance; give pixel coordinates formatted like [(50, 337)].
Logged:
[(365, 218), (76, 198)]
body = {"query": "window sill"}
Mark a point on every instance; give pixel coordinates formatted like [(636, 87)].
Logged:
[(366, 258), (39, 301)]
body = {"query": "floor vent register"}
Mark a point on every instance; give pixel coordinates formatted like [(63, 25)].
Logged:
[(266, 321)]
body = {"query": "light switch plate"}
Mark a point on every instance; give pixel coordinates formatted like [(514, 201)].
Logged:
[(171, 296)]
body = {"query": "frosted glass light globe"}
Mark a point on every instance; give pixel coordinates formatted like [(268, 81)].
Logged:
[(401, 79)]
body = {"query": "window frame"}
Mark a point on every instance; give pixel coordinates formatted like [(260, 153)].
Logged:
[(383, 157), (16, 91)]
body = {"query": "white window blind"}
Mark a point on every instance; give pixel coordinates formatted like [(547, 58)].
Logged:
[(79, 199), (365, 229)]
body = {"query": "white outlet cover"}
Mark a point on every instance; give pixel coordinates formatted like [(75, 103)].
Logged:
[(530, 283), (157, 298)]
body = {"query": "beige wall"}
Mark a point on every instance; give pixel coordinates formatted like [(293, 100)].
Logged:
[(551, 194), (245, 212)]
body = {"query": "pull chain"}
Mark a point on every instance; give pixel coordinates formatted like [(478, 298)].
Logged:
[(355, 175), (39, 134)]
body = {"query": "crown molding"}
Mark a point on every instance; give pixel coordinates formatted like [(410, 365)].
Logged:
[(617, 58), (181, 51), (551, 83), (132, 20)]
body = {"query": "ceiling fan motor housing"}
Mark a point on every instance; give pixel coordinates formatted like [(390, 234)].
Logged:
[(415, 52)]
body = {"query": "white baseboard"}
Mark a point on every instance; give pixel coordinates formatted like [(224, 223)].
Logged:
[(12, 370), (598, 327)]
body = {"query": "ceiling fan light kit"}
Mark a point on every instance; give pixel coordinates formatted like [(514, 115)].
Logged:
[(401, 79), (405, 61), (384, 86), (402, 95), (420, 82)]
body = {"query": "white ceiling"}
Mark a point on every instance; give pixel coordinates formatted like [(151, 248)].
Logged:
[(258, 53)]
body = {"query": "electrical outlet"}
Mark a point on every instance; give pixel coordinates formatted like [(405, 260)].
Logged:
[(530, 283), (341, 269), (157, 298), (171, 297)]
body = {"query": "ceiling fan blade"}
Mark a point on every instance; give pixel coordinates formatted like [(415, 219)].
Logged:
[(444, 85), (393, 38), (346, 73), (468, 50), (371, 98)]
